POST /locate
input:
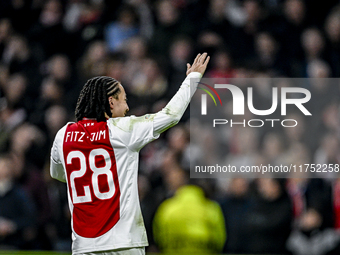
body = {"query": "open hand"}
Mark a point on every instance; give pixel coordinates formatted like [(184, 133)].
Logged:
[(200, 64)]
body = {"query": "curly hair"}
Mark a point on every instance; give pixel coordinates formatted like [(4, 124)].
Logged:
[(93, 98)]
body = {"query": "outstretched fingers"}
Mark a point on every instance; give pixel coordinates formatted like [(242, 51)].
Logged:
[(197, 58), (199, 65), (206, 61), (202, 58)]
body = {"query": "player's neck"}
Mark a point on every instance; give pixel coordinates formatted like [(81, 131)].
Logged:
[(88, 118)]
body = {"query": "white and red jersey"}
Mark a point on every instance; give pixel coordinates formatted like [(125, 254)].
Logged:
[(99, 163)]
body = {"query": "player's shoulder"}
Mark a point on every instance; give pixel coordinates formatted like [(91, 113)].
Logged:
[(128, 123), (61, 131)]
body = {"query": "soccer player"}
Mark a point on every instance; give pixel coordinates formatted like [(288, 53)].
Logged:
[(98, 159)]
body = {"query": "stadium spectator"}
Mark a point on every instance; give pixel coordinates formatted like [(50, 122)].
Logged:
[(180, 51), (215, 21), (144, 11), (28, 151), (48, 32), (6, 31), (149, 83), (173, 174), (235, 207), (58, 229), (118, 32), (169, 24), (328, 152), (273, 148), (59, 68), (149, 202), (270, 218), (222, 65), (189, 223), (79, 14), (295, 22), (269, 56), (135, 52), (313, 44), (54, 118), (13, 110), (18, 56), (332, 29), (243, 147), (115, 67), (92, 62), (310, 238), (17, 214)]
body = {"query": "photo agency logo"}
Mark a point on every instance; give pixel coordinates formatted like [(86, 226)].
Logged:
[(240, 101), (204, 97)]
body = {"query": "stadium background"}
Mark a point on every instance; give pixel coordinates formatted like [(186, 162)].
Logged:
[(48, 49)]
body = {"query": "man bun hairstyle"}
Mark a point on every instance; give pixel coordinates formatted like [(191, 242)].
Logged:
[(93, 98)]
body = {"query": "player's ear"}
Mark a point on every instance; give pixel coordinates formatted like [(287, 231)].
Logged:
[(111, 102)]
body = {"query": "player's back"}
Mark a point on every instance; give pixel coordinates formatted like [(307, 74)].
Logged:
[(92, 177), (101, 175)]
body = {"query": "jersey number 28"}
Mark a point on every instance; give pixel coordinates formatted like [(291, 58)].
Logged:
[(103, 170)]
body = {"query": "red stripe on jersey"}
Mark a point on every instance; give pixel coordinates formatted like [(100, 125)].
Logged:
[(92, 178)]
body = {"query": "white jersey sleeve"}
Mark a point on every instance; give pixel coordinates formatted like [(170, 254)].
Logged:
[(138, 131), (57, 170), (174, 110)]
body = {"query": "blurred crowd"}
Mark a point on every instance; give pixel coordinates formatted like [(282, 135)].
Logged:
[(49, 48)]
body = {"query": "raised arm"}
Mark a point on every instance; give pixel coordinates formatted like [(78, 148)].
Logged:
[(174, 110)]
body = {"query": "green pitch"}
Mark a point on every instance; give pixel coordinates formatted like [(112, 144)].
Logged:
[(33, 253)]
